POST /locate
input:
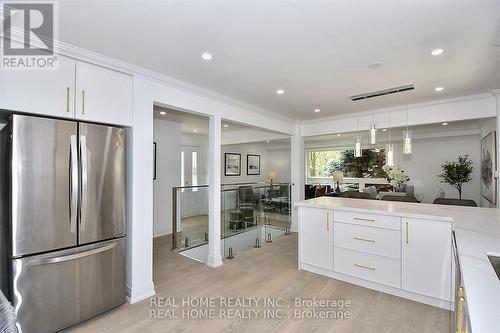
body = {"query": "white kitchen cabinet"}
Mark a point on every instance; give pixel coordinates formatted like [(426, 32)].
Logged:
[(44, 92), (426, 258), (103, 95), (316, 237)]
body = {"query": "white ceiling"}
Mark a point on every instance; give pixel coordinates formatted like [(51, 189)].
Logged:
[(318, 52)]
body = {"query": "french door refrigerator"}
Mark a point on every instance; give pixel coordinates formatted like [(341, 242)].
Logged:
[(63, 217)]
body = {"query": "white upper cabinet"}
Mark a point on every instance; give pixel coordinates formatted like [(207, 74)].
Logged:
[(44, 92), (316, 237), (103, 95), (427, 261)]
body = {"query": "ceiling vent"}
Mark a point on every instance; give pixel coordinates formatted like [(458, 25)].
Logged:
[(383, 92)]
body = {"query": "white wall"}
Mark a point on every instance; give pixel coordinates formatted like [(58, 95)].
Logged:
[(244, 149), (424, 165), (486, 128), (169, 141), (167, 135), (463, 108), (279, 160)]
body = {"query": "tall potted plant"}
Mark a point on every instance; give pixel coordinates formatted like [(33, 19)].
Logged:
[(457, 173)]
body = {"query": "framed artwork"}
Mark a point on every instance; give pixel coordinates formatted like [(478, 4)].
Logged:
[(232, 164), (488, 167), (154, 161), (253, 164)]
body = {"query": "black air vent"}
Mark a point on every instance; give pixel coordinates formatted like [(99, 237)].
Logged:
[(383, 92)]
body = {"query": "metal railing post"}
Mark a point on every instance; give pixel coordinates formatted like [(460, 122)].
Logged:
[(174, 218)]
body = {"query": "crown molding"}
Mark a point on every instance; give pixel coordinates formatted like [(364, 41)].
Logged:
[(82, 54), (383, 111)]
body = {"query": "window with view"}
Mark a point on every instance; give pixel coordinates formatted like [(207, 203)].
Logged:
[(322, 163)]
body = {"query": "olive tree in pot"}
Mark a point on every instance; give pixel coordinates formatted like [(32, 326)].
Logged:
[(457, 173)]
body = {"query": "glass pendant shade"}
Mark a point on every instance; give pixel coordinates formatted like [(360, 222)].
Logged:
[(373, 134), (389, 153), (357, 148), (407, 145)]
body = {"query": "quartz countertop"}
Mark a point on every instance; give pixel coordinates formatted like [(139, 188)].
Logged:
[(477, 231)]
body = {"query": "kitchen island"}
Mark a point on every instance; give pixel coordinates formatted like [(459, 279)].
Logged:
[(406, 249)]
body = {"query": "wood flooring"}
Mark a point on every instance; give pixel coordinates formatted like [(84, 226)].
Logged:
[(268, 272)]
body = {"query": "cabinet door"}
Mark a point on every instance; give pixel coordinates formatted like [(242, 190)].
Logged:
[(43, 92), (316, 237), (103, 95), (427, 260)]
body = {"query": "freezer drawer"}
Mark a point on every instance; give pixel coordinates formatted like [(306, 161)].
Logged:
[(59, 289)]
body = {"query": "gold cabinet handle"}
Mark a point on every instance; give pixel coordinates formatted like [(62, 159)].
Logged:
[(83, 101), (459, 315), (67, 99), (365, 267), (365, 239), (407, 233), (363, 219), (328, 221)]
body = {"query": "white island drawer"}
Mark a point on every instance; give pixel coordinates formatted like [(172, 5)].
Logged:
[(367, 219), (367, 266), (377, 241)]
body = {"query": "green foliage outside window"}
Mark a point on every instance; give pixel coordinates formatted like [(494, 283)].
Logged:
[(324, 163)]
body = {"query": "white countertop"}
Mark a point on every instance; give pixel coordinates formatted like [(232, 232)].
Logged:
[(477, 232)]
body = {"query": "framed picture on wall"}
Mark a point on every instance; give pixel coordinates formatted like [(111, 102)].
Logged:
[(488, 167), (154, 161), (232, 164), (253, 164)]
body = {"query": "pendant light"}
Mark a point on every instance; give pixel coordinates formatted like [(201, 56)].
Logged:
[(407, 145), (389, 153), (357, 147), (358, 152), (373, 131)]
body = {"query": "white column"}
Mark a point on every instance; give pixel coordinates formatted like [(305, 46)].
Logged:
[(214, 258), (140, 196), (298, 171)]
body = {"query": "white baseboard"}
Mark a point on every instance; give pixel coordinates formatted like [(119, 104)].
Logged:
[(140, 293), (379, 287)]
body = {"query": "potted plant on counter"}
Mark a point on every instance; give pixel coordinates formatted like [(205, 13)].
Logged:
[(457, 173)]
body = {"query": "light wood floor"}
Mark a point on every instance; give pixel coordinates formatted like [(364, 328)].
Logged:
[(270, 271)]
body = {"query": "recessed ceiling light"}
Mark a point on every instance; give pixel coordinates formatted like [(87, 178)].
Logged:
[(267, 141), (438, 89), (444, 124), (437, 52), (338, 134), (206, 56), (163, 113), (317, 110), (384, 130), (195, 130), (226, 125), (280, 91)]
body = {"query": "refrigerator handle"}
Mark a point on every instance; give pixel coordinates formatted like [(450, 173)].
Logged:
[(55, 260), (73, 183), (84, 180)]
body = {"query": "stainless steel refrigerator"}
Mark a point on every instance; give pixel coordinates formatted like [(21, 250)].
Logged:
[(63, 220)]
